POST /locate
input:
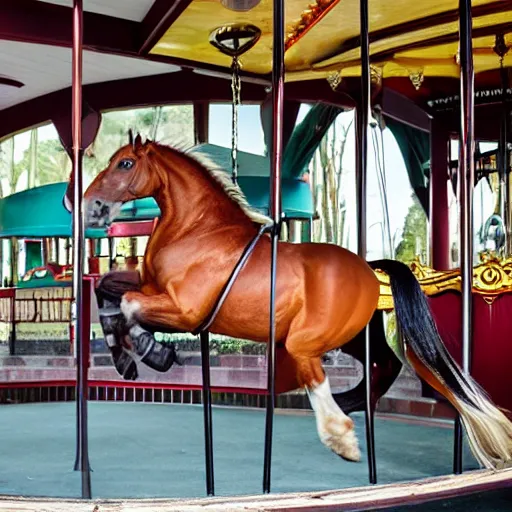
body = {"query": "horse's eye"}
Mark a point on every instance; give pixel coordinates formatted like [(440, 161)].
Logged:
[(125, 164)]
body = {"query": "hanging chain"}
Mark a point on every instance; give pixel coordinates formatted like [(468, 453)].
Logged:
[(235, 88)]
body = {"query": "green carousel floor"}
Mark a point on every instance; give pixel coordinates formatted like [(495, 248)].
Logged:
[(156, 450)]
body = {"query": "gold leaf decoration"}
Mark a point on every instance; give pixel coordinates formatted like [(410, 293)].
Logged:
[(308, 18), (490, 279)]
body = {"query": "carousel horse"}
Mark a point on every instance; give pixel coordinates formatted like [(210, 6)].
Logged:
[(325, 295)]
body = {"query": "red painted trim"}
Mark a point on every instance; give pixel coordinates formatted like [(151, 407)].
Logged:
[(126, 384), (160, 17), (128, 229), (44, 23), (7, 293), (169, 88)]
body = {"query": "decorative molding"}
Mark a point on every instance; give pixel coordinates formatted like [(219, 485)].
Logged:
[(376, 74), (491, 278), (334, 80), (308, 19), (416, 78)]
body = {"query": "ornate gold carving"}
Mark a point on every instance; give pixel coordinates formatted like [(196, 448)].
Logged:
[(309, 17), (490, 279), (376, 75), (416, 78), (334, 80)]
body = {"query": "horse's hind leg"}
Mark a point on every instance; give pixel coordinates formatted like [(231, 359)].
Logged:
[(335, 428)]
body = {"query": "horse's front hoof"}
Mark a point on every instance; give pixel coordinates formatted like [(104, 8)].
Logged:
[(161, 357), (124, 364), (158, 356)]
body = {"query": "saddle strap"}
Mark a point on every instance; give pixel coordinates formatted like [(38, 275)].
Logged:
[(210, 318)]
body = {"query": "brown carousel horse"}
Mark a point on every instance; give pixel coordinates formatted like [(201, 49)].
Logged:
[(325, 294)]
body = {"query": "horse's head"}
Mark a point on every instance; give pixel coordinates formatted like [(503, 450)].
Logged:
[(127, 177)]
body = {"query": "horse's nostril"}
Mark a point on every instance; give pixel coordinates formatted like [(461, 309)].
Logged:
[(98, 202)]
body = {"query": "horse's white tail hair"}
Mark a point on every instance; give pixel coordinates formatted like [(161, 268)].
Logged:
[(488, 429)]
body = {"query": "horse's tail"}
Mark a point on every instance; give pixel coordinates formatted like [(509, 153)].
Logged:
[(489, 430)]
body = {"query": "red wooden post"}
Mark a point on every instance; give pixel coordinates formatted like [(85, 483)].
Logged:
[(439, 213)]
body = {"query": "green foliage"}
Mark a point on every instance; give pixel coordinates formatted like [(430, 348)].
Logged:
[(328, 178), (169, 124), (6, 164), (414, 238), (236, 346), (53, 163)]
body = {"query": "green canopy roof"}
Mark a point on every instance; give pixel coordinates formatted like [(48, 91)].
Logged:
[(39, 212)]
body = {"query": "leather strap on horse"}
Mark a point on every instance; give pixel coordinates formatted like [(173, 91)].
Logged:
[(210, 318)]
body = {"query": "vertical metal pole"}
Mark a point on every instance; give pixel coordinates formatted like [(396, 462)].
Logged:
[(275, 209), (207, 412), (466, 184), (111, 255), (12, 337), (362, 114), (504, 164), (309, 230), (82, 452)]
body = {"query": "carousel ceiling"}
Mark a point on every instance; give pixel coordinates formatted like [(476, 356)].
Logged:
[(41, 69), (408, 38), (414, 46)]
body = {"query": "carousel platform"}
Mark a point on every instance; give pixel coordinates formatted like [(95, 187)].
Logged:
[(142, 450)]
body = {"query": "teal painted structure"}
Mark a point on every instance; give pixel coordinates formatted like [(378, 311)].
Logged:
[(39, 212)]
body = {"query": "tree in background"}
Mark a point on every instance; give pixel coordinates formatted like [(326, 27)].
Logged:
[(9, 173), (327, 176), (172, 125), (48, 163), (414, 237)]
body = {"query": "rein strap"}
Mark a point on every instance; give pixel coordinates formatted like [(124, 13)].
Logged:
[(208, 321)]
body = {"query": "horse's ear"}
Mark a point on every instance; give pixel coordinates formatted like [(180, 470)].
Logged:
[(138, 141), (130, 137)]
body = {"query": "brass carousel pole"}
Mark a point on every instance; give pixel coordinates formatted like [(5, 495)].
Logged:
[(466, 183), (82, 452), (362, 116), (275, 210)]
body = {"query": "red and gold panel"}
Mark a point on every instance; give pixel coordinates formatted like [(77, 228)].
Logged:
[(491, 353)]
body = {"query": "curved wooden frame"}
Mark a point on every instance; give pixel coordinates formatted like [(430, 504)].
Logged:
[(358, 498)]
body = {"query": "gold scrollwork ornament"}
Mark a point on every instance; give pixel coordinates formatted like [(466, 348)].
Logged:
[(417, 77)]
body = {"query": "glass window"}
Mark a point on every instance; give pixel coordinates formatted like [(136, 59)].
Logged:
[(172, 125), (390, 198), (250, 130), (32, 158)]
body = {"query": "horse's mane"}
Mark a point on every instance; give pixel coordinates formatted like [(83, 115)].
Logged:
[(234, 192)]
